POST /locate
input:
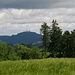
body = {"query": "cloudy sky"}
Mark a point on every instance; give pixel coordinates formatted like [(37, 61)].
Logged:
[(21, 15)]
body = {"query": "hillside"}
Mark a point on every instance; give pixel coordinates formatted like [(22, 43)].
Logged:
[(24, 37)]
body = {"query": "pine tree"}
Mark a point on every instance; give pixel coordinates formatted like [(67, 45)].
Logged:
[(66, 44), (55, 39), (45, 32)]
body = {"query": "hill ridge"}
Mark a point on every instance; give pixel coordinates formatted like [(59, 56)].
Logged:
[(23, 37)]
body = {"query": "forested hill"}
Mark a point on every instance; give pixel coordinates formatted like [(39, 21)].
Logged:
[(24, 37)]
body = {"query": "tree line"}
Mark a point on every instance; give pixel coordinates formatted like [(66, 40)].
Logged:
[(57, 43), (18, 52)]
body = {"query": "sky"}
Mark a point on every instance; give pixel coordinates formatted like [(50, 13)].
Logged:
[(28, 15)]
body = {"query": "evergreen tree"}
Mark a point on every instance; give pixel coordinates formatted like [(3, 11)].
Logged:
[(66, 44), (45, 31), (73, 42), (55, 39)]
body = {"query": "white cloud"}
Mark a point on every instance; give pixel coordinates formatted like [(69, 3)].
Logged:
[(13, 21)]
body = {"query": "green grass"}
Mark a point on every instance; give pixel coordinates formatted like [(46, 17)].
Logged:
[(52, 66)]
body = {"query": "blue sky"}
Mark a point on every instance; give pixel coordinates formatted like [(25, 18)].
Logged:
[(18, 15)]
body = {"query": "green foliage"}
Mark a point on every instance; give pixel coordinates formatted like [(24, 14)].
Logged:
[(72, 42), (52, 66), (66, 49), (22, 51), (7, 52), (28, 53), (55, 39), (18, 51), (45, 31), (35, 53), (56, 43)]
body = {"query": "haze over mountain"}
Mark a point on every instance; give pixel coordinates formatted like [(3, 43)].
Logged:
[(23, 37)]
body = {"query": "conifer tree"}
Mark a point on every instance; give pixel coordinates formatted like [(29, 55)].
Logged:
[(45, 32), (55, 39)]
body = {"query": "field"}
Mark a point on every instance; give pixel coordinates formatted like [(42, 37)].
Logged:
[(51, 66)]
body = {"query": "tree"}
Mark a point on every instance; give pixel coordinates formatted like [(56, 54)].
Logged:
[(45, 31), (73, 42), (55, 39), (35, 53), (22, 51), (7, 51), (67, 44)]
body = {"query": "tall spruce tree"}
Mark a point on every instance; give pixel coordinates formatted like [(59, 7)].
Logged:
[(55, 39), (45, 32)]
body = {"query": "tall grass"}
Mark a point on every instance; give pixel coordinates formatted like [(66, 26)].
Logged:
[(52, 66)]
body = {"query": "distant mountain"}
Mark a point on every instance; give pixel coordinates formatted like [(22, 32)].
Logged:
[(24, 37)]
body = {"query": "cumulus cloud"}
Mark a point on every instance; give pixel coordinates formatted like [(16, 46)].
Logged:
[(13, 21)]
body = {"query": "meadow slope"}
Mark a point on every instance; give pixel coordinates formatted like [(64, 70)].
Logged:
[(51, 66)]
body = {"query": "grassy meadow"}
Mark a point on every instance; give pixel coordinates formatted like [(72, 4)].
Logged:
[(51, 66)]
